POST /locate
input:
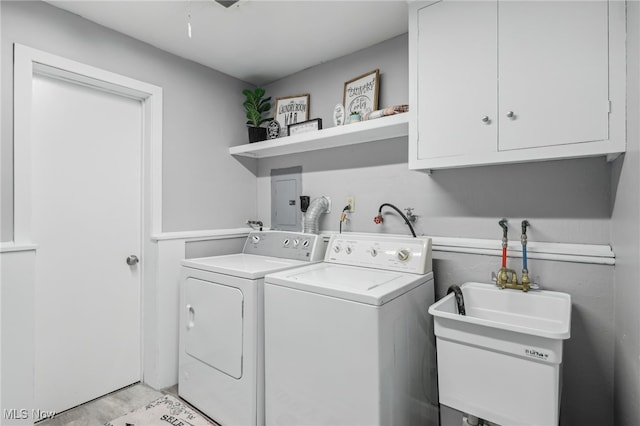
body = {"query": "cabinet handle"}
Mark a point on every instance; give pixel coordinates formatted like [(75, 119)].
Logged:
[(510, 114), (485, 119)]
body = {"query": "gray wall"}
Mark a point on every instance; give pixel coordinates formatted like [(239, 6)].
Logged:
[(565, 201), (625, 237), (199, 125)]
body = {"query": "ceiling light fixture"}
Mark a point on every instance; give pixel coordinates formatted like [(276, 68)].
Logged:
[(189, 19), (226, 4)]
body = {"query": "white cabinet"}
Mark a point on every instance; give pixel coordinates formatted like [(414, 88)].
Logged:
[(511, 81)]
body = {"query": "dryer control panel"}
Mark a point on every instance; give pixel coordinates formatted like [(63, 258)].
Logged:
[(393, 253), (285, 244)]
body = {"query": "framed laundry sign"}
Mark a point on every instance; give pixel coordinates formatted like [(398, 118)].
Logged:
[(291, 110), (361, 93)]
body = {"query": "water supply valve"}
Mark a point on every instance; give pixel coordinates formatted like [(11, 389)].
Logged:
[(507, 278), (378, 219), (409, 213)]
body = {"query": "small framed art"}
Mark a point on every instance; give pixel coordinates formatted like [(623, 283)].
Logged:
[(305, 126), (291, 110), (361, 93)]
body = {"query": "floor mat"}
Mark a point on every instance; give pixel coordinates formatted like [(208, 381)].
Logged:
[(166, 410)]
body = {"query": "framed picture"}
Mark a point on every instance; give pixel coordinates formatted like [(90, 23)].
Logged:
[(291, 110), (305, 126), (361, 93)]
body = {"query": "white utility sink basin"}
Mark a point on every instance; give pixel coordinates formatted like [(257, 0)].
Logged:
[(502, 360), (537, 313)]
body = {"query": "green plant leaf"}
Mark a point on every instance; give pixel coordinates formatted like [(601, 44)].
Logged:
[(264, 107), (248, 93), (254, 117), (255, 106)]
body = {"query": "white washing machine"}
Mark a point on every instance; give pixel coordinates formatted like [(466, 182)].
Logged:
[(221, 360), (349, 341)]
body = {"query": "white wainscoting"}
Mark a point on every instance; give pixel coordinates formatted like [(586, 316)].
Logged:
[(17, 275), (597, 254), (161, 296), (161, 299)]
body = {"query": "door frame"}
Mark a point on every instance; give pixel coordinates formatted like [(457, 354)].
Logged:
[(29, 61)]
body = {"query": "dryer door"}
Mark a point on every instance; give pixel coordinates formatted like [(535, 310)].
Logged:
[(214, 315)]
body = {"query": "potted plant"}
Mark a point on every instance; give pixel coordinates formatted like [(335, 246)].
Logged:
[(256, 106)]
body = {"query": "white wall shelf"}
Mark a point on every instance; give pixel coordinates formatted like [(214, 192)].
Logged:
[(365, 131)]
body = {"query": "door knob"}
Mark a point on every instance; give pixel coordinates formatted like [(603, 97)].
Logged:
[(132, 260), (486, 119), (510, 114)]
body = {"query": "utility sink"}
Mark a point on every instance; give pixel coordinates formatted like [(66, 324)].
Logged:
[(502, 360), (536, 313)]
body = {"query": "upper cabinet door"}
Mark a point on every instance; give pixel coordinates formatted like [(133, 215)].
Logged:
[(554, 73), (493, 82), (457, 79)]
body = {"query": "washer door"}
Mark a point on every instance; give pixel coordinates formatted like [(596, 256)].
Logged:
[(214, 318)]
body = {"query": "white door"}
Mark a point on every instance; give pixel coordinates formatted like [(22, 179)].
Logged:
[(86, 188), (214, 325)]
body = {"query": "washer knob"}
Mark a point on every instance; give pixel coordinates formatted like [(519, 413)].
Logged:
[(296, 242), (373, 252), (348, 250), (255, 239), (403, 255), (336, 249), (305, 243), (285, 242)]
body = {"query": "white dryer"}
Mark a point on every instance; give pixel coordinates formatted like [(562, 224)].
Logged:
[(221, 360), (349, 341)]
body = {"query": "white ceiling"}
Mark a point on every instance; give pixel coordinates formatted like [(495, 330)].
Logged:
[(258, 41)]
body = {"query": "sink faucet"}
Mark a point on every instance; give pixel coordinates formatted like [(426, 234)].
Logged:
[(508, 278)]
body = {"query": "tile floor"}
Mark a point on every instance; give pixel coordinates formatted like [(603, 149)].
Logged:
[(109, 407)]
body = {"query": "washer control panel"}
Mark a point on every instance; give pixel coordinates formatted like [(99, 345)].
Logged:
[(285, 244), (390, 252)]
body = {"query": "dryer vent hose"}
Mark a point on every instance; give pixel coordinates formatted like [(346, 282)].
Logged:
[(312, 216)]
